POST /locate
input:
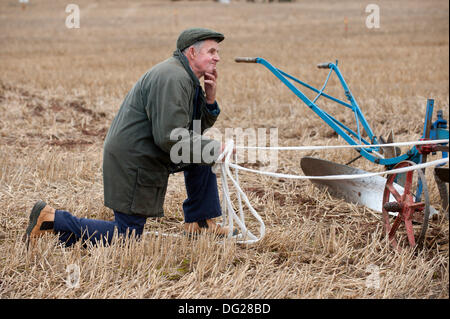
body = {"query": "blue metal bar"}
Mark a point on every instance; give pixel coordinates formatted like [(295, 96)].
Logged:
[(426, 134), (354, 106), (323, 87), (357, 127), (353, 101), (315, 90), (353, 133), (333, 123), (439, 131)]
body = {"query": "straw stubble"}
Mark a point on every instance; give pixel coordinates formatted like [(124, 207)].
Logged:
[(60, 89)]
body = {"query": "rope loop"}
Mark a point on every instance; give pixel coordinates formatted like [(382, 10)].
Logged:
[(230, 217)]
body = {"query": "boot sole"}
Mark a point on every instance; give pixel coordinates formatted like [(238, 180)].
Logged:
[(35, 212)]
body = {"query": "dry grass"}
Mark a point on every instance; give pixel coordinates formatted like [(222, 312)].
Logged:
[(60, 88)]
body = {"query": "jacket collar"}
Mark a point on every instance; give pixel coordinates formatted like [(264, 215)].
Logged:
[(184, 61)]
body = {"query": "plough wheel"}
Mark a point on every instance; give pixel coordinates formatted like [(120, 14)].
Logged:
[(409, 210)]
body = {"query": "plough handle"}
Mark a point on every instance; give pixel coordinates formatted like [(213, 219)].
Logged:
[(324, 65), (245, 60)]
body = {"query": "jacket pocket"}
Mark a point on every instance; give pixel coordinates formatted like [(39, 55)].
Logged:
[(149, 193)]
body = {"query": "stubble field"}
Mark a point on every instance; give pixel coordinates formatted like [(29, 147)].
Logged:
[(60, 89)]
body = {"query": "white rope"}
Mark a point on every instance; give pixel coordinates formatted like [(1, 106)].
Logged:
[(229, 215), (328, 147), (223, 163), (339, 177)]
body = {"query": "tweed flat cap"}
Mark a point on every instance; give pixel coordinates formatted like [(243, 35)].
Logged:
[(189, 36)]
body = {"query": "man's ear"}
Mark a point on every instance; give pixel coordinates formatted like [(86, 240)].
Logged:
[(191, 52)]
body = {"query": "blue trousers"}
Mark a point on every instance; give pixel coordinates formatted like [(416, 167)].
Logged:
[(203, 200), (70, 228), (202, 203)]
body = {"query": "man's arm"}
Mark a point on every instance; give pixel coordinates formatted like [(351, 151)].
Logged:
[(168, 111), (209, 116)]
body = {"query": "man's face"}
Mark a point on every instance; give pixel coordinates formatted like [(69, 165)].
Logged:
[(206, 58)]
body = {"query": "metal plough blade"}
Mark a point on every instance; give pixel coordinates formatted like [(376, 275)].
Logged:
[(364, 191), (442, 173), (389, 151)]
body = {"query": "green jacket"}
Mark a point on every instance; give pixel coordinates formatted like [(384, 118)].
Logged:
[(136, 155)]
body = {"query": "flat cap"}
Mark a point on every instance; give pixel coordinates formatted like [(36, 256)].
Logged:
[(189, 36)]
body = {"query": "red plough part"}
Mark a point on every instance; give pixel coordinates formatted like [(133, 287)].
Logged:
[(406, 206)]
